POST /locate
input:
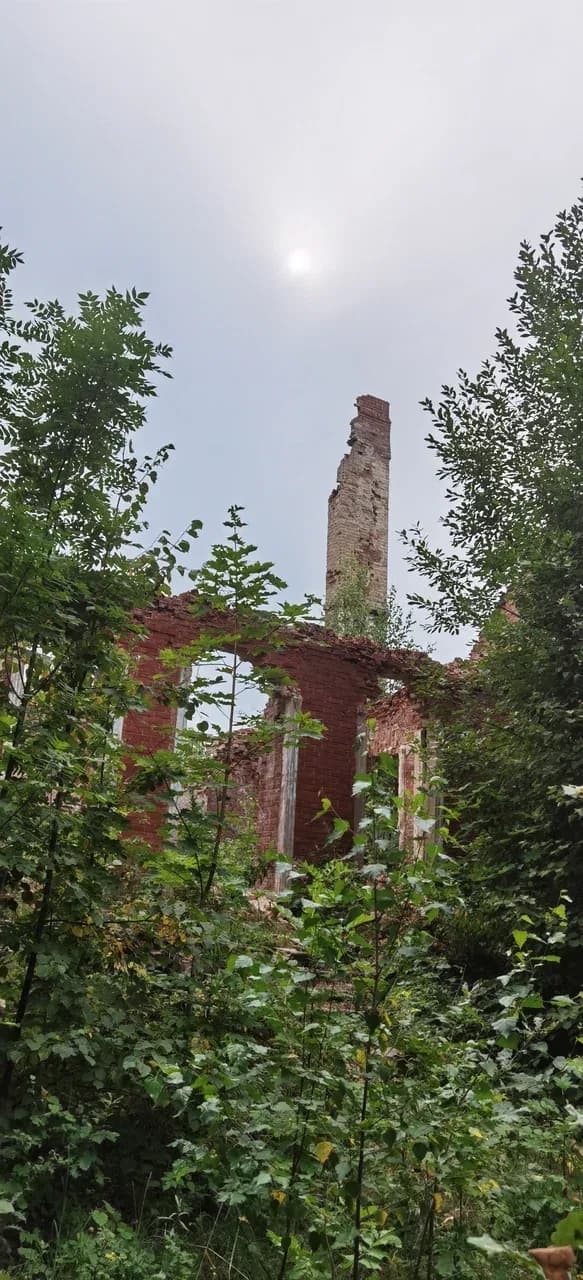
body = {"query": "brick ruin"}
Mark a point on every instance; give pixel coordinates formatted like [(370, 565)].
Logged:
[(337, 680), (358, 507)]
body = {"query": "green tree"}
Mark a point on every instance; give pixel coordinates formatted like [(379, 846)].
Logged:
[(73, 393), (510, 448), (351, 613), (512, 752), (509, 441)]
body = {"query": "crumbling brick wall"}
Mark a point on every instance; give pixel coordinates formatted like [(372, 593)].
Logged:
[(398, 720), (335, 679), (399, 730), (358, 507)]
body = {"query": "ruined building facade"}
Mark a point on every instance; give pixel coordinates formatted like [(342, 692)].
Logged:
[(337, 680)]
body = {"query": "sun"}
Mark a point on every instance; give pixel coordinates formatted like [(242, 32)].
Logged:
[(299, 262)]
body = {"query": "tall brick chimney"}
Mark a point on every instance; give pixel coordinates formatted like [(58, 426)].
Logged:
[(358, 508)]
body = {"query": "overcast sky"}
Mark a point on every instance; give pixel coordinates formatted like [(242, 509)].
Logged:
[(189, 148)]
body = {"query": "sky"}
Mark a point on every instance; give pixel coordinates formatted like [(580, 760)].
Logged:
[(190, 148)]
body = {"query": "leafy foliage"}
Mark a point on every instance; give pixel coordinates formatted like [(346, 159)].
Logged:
[(512, 754), (200, 1080), (350, 612), (509, 441), (509, 446)]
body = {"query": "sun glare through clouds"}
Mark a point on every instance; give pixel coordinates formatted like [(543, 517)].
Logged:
[(299, 262)]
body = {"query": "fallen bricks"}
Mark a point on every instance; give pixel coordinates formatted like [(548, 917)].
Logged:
[(556, 1263)]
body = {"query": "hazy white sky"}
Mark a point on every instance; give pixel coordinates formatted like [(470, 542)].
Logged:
[(189, 148)]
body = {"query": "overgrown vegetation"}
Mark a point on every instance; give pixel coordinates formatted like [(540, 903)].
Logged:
[(350, 612), (380, 1075), (510, 447)]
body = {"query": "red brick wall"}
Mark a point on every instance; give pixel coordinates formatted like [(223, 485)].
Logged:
[(150, 730), (336, 679), (398, 719)]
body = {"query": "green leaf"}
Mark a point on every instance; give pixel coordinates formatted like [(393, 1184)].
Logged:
[(444, 1263), (365, 917), (569, 1231), (155, 1088), (86, 1160), (339, 829)]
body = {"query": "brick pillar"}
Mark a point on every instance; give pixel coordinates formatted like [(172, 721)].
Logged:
[(358, 508)]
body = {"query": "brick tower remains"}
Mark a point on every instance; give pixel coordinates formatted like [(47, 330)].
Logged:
[(358, 508)]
